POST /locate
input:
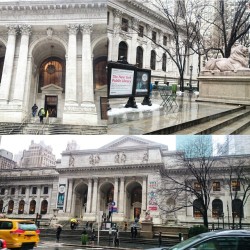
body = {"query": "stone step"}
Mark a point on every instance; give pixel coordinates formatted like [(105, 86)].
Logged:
[(222, 123), (195, 126)]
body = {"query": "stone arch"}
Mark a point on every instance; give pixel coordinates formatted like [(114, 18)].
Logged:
[(21, 207), (2, 56), (217, 208), (81, 194), (133, 200), (32, 207), (100, 51), (106, 196), (44, 207), (123, 49), (10, 206)]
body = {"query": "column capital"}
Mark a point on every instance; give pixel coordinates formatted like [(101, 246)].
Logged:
[(135, 22), (73, 28), (25, 29), (86, 28), (117, 13), (12, 29)]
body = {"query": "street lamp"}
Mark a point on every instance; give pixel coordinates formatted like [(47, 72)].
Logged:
[(190, 79)]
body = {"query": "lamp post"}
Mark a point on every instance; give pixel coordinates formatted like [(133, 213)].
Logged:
[(190, 79), (222, 216)]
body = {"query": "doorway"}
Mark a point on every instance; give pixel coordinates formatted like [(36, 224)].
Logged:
[(51, 103)]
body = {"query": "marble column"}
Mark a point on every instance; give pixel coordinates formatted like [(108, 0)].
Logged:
[(116, 35), (87, 65), (8, 64), (38, 200), (94, 200), (148, 48), (89, 196), (133, 47), (27, 204), (20, 80), (116, 192), (71, 77), (69, 195), (16, 200), (121, 198), (144, 193)]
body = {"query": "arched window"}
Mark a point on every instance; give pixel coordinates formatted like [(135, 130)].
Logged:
[(110, 195), (32, 207), (136, 195), (44, 207), (10, 207), (217, 208), (21, 207), (237, 208), (1, 67), (52, 71), (100, 74), (197, 209), (164, 62), (123, 50), (1, 206), (139, 57), (153, 60)]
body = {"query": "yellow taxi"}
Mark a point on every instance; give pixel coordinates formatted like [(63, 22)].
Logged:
[(19, 233)]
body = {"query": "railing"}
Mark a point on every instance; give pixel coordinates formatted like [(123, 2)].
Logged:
[(25, 120)]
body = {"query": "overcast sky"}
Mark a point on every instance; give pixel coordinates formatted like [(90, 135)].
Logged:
[(17, 143)]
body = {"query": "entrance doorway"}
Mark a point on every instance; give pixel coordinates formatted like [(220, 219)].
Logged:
[(51, 103)]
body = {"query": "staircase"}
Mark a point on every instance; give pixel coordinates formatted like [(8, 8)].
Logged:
[(234, 121), (50, 129)]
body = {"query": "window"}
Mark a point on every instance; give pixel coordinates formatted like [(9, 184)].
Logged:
[(153, 36), (45, 190), (21, 207), (197, 186), (217, 208), (237, 208), (197, 209), (139, 57), (235, 184), (1, 206), (153, 60), (164, 40), (108, 15), (12, 191), (164, 62), (32, 207), (136, 195), (2, 191), (141, 31), (44, 207), (23, 190), (216, 186), (123, 50), (1, 67), (10, 207), (34, 189), (124, 24)]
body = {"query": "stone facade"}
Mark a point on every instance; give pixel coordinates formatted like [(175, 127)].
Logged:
[(125, 172), (50, 51)]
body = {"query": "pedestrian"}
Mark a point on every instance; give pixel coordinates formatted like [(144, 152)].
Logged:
[(34, 110), (160, 239), (87, 225), (58, 233), (92, 238), (41, 114), (132, 232), (135, 232), (116, 238), (84, 237)]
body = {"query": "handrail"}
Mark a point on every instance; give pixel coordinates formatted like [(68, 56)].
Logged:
[(25, 119), (44, 124)]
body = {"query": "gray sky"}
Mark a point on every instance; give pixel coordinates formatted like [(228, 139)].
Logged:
[(17, 143)]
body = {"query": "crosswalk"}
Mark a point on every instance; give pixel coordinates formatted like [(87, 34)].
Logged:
[(52, 245)]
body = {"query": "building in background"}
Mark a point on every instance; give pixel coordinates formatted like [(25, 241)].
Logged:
[(6, 160), (38, 156)]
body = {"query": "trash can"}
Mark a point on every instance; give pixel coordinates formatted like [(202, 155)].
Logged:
[(174, 88)]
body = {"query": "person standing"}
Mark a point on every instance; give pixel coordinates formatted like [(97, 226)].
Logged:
[(116, 238), (34, 110), (92, 237), (135, 232), (85, 237), (132, 232), (160, 239), (58, 233)]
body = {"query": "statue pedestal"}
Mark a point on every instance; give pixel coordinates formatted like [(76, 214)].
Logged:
[(147, 229), (225, 87)]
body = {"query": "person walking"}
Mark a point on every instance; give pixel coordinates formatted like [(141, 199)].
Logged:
[(41, 114), (84, 237), (116, 238), (34, 110), (92, 238), (58, 233), (135, 232), (132, 232)]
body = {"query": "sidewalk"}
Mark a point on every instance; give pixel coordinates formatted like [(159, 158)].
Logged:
[(146, 119)]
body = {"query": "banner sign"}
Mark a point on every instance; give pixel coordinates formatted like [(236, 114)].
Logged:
[(125, 80), (61, 196)]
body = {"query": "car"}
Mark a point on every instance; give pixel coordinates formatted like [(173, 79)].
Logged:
[(3, 245), (216, 240), (22, 234)]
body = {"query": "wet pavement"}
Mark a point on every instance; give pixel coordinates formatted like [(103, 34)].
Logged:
[(146, 119)]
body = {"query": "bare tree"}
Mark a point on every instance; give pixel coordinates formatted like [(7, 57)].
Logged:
[(189, 178)]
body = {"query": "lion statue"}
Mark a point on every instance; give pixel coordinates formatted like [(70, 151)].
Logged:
[(238, 60)]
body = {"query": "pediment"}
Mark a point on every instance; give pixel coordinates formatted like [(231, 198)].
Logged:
[(52, 88), (129, 141)]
